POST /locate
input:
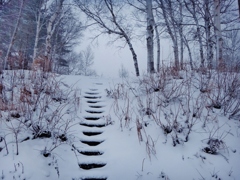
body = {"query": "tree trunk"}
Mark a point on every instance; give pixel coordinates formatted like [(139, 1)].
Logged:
[(35, 50), (128, 41), (150, 30), (199, 36), (126, 37), (134, 55), (189, 52), (13, 36), (113, 26), (218, 34), (181, 34), (158, 48), (176, 54), (209, 43), (171, 32), (239, 7), (50, 30)]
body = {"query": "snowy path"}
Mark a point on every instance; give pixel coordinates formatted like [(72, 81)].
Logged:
[(92, 156)]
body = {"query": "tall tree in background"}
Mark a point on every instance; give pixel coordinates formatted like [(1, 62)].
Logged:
[(48, 29), (51, 27), (170, 23), (45, 30), (81, 63), (208, 26), (108, 16), (218, 34), (13, 38), (180, 25), (149, 38), (68, 33), (158, 45), (87, 62), (40, 12), (192, 7), (146, 7)]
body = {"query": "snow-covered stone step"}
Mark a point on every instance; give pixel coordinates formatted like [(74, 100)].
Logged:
[(91, 153), (92, 142), (92, 93), (92, 118), (98, 125), (92, 97), (92, 133), (93, 101), (94, 111), (94, 178), (88, 166)]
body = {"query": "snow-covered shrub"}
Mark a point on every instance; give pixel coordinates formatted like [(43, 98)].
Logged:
[(36, 105), (214, 145), (224, 93), (119, 91)]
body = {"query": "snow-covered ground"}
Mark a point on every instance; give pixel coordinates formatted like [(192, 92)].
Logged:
[(115, 145)]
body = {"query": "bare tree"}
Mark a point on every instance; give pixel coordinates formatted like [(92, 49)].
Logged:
[(158, 46), (170, 22), (192, 7), (147, 7), (123, 72), (87, 62), (181, 31), (13, 38), (209, 41), (51, 25), (150, 30), (218, 34), (81, 63), (39, 24), (106, 14), (186, 42), (75, 65), (232, 49)]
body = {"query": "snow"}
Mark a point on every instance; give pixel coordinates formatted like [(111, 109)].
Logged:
[(124, 156)]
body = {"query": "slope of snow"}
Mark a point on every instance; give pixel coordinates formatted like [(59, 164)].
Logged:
[(123, 155)]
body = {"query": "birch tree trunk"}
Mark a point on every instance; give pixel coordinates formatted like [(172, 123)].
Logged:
[(175, 36), (199, 36), (171, 30), (218, 34), (150, 34), (158, 47), (189, 52), (209, 43), (107, 21), (128, 41), (181, 33), (13, 38), (38, 28), (123, 33), (50, 30)]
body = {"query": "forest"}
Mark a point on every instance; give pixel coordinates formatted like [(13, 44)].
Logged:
[(46, 32)]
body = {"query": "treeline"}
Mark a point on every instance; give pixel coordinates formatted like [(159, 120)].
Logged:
[(40, 32), (203, 33)]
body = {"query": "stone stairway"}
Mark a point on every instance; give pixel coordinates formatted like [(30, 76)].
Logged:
[(92, 138)]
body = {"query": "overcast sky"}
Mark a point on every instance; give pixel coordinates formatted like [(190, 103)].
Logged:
[(108, 58)]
